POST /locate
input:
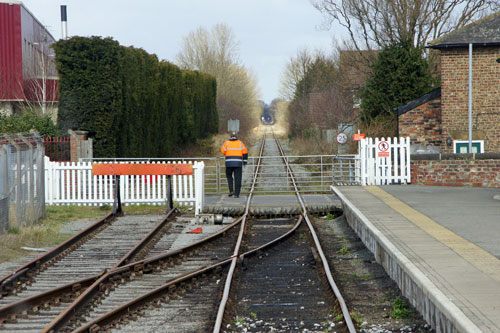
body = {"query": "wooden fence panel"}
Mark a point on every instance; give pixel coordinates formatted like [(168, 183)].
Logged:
[(70, 183)]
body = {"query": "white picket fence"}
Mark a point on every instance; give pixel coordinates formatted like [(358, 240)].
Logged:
[(385, 161), (72, 183)]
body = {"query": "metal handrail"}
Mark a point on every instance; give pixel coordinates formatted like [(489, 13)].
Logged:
[(314, 173)]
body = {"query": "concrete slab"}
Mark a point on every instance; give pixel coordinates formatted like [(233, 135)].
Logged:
[(452, 281), (472, 213), (186, 238)]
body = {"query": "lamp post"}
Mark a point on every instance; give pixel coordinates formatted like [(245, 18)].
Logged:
[(470, 98)]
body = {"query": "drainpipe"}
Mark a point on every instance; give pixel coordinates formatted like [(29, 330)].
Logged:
[(470, 98)]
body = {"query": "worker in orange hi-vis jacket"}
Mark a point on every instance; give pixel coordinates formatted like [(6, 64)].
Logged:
[(236, 157)]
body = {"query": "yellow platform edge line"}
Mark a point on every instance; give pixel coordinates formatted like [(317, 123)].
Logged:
[(479, 258)]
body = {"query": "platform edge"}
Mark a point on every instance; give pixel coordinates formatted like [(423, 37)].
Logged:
[(442, 314)]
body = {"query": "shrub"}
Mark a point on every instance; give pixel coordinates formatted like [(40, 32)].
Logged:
[(26, 122), (131, 103)]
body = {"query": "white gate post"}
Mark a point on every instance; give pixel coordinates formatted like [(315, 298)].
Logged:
[(377, 173), (199, 180), (363, 160), (48, 180), (397, 174), (408, 162)]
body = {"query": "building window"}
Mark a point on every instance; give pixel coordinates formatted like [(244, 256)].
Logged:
[(462, 147)]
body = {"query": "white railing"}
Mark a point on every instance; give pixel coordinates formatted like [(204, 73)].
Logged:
[(72, 183), (385, 161)]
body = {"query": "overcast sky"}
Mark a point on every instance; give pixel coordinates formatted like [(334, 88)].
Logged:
[(269, 32)]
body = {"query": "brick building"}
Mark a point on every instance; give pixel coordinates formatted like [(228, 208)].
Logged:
[(441, 117), (28, 78)]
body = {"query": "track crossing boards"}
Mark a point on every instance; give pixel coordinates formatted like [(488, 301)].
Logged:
[(383, 149)]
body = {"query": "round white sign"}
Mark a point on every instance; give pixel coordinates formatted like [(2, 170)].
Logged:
[(341, 138)]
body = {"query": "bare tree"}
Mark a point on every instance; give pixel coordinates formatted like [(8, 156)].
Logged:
[(40, 80), (294, 72), (378, 23), (209, 51), (331, 107), (216, 52)]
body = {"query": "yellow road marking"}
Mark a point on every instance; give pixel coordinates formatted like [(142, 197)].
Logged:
[(479, 258)]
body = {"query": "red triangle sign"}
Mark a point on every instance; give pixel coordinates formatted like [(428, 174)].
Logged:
[(195, 231)]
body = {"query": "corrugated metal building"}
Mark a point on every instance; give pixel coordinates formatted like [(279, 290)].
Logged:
[(28, 77)]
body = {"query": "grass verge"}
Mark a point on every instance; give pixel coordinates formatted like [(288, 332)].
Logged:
[(46, 232)]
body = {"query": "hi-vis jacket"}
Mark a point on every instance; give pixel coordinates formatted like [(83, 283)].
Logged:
[(235, 152)]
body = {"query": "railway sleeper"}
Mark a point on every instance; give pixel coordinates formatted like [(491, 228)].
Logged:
[(149, 269), (95, 328)]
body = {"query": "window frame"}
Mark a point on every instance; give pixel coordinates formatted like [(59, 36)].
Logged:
[(456, 142)]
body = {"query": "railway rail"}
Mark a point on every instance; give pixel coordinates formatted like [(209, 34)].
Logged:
[(190, 288), (16, 280), (284, 288), (62, 277)]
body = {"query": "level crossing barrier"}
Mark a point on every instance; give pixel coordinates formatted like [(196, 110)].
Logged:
[(313, 172), (138, 169), (72, 183)]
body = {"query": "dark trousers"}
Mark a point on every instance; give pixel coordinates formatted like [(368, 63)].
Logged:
[(236, 171)]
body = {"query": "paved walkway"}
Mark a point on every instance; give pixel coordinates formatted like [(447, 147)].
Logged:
[(442, 246)]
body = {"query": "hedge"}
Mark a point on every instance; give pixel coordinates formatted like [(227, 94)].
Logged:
[(131, 103)]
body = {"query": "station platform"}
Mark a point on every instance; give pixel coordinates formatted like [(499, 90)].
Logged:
[(440, 244)]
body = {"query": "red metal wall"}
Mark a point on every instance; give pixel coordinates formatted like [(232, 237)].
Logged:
[(22, 40), (11, 61)]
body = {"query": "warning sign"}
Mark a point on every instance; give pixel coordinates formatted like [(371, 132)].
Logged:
[(383, 149), (358, 136)]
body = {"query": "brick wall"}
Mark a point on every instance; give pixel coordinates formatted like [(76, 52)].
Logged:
[(485, 92), (423, 124), (469, 170), (81, 146)]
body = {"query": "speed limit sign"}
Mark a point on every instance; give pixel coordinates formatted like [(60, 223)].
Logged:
[(341, 138)]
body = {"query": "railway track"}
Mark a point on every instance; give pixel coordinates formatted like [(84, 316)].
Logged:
[(55, 283), (101, 252), (281, 289), (15, 281), (166, 285)]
